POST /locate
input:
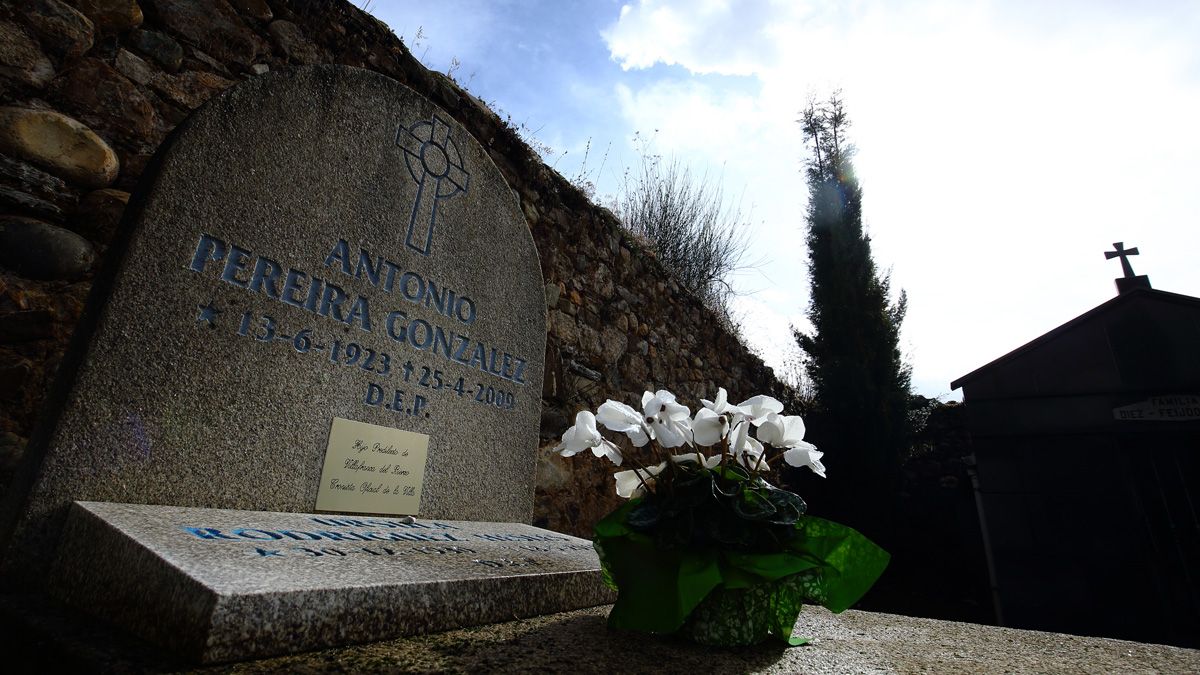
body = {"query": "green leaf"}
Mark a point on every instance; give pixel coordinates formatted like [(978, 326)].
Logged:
[(688, 492), (645, 516), (733, 472), (788, 506), (726, 527), (754, 505), (613, 525), (674, 531), (726, 488)]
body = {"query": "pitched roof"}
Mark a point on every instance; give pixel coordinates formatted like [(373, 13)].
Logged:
[(1136, 295)]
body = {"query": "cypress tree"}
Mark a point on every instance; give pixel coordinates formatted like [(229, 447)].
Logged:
[(860, 381)]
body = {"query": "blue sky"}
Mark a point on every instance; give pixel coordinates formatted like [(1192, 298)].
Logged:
[(1003, 146)]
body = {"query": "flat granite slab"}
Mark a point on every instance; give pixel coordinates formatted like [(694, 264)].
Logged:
[(215, 585)]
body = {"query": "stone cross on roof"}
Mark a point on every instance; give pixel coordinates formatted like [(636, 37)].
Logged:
[(1123, 253), (1130, 281)]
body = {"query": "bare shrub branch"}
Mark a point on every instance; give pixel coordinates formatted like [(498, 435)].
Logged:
[(688, 224)]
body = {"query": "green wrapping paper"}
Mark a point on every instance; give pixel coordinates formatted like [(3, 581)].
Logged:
[(725, 597)]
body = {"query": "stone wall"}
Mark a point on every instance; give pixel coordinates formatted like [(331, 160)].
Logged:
[(90, 88)]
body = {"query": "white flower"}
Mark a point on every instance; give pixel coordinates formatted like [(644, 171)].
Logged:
[(669, 421), (751, 456), (806, 454), (721, 405), (709, 427), (706, 462), (757, 409), (629, 483), (745, 450), (781, 431), (584, 436), (618, 417), (738, 436), (787, 431)]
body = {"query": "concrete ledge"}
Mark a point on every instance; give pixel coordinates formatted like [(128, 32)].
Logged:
[(578, 641)]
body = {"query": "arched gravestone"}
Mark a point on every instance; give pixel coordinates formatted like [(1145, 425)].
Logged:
[(311, 245)]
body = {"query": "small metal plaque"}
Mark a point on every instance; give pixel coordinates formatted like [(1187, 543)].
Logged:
[(372, 469)]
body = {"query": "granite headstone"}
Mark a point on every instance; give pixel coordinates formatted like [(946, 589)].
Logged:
[(313, 245)]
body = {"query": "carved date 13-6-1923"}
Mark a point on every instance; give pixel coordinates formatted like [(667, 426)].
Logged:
[(261, 275)]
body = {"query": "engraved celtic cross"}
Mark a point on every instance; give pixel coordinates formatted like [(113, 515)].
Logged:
[(436, 165)]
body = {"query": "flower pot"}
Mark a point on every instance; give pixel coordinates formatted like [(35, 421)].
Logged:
[(738, 617), (724, 597), (706, 547)]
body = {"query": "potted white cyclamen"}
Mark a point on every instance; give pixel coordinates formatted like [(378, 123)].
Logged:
[(705, 547)]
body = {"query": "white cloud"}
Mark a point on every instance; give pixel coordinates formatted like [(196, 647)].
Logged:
[(1002, 147), (705, 36), (768, 329)]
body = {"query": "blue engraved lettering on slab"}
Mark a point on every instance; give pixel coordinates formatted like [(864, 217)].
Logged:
[(436, 165), (265, 534), (207, 533)]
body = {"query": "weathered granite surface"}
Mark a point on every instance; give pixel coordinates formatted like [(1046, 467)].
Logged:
[(313, 243), (579, 642), (620, 324), (215, 585)]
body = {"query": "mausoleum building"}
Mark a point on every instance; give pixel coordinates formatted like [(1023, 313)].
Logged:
[(1087, 450)]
